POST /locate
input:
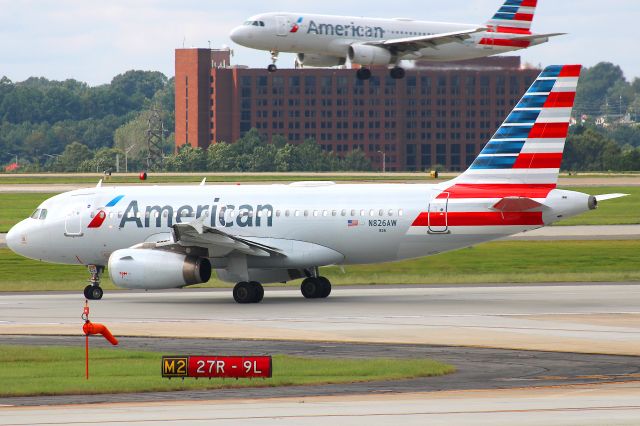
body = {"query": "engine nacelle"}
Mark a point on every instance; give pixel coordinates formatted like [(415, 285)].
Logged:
[(363, 54), (156, 269), (312, 60)]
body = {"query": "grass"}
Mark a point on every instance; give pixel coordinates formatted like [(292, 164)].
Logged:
[(212, 178), (497, 262), (34, 370), (626, 210)]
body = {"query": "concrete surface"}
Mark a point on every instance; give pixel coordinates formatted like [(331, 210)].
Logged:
[(580, 405), (586, 318), (476, 368)]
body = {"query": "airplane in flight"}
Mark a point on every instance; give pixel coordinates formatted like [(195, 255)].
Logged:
[(173, 236), (325, 41)]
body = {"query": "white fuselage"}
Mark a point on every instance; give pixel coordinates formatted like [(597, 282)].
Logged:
[(363, 223), (332, 35)]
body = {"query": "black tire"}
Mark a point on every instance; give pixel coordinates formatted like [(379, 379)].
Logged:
[(272, 68), (244, 292), (397, 73), (311, 288), (325, 286), (87, 292), (258, 290), (363, 74), (96, 292)]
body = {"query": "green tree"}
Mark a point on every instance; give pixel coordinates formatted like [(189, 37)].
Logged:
[(356, 161), (72, 157)]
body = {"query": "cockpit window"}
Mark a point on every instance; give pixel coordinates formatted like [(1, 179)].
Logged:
[(35, 214), (43, 214), (255, 23)]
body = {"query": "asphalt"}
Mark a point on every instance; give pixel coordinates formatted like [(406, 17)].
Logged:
[(477, 368)]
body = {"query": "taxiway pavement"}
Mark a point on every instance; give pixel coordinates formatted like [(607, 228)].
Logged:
[(580, 405), (578, 317)]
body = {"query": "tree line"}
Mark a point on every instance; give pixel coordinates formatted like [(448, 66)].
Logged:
[(70, 126)]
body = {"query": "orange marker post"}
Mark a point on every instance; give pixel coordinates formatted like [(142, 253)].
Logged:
[(93, 328)]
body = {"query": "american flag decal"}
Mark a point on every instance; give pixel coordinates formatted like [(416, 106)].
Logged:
[(352, 222)]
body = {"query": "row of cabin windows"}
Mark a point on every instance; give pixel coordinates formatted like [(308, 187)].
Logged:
[(278, 213)]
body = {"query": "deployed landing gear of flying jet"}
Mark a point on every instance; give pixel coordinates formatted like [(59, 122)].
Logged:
[(248, 292), (274, 57), (93, 291), (363, 74), (315, 288), (397, 72)]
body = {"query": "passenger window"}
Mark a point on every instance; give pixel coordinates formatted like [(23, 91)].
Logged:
[(372, 212), (315, 213), (277, 213), (286, 213), (400, 212), (353, 212), (119, 214), (35, 214), (362, 212), (110, 215), (390, 212), (306, 213), (381, 212), (43, 214), (92, 215), (297, 213), (343, 212)]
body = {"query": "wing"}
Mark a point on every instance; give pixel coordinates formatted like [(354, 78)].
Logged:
[(414, 44), (534, 37), (199, 239)]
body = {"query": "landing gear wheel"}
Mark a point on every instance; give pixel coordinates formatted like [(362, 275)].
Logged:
[(325, 286), (311, 288), (272, 68), (244, 292), (363, 74), (258, 290), (93, 292), (397, 73)]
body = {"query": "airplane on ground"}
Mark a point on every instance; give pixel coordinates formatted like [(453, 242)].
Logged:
[(173, 236), (325, 41)]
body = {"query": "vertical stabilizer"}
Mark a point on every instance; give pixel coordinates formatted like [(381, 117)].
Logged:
[(515, 16), (527, 148)]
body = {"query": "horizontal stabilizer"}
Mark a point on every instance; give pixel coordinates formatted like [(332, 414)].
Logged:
[(517, 204), (533, 37), (605, 197)]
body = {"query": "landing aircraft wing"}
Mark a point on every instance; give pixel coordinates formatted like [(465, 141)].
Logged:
[(410, 44)]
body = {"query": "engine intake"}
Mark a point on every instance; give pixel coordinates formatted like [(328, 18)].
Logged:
[(156, 269), (363, 54)]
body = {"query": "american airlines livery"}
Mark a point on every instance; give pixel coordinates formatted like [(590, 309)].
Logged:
[(324, 40), (173, 236)]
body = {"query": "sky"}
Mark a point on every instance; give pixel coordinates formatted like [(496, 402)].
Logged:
[(93, 41)]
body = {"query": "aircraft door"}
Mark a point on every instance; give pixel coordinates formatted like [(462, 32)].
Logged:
[(281, 23), (438, 219), (73, 221)]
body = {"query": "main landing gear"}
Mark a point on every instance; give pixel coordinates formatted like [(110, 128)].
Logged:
[(93, 291), (253, 292), (248, 292), (396, 73), (315, 288), (274, 57)]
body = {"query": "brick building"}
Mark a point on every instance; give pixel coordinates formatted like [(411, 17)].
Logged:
[(438, 114)]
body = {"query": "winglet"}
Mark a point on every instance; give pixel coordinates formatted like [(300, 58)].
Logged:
[(203, 181), (99, 185)]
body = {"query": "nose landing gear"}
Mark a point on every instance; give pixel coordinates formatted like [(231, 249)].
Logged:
[(93, 291), (274, 57)]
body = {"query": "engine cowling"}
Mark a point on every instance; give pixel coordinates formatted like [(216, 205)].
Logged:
[(156, 269), (363, 54), (313, 60)]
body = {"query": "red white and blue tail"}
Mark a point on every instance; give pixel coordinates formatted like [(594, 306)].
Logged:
[(527, 148), (515, 16)]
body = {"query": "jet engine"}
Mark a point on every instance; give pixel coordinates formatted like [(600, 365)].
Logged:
[(363, 54), (156, 269), (312, 60)]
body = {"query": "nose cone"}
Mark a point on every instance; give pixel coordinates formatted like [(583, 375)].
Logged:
[(13, 238), (239, 35)]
